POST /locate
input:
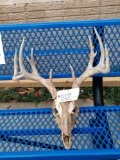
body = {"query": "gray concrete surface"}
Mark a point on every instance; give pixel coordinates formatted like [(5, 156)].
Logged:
[(45, 104)]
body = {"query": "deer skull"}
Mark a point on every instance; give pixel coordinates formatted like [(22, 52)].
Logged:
[(65, 112)]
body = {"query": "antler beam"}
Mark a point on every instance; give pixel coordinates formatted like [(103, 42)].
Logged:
[(102, 67), (34, 75)]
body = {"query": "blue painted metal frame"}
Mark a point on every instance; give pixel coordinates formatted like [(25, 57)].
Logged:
[(65, 76), (94, 153), (59, 24), (76, 155), (22, 28)]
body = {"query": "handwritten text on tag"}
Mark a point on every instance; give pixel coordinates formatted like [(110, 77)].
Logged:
[(68, 95)]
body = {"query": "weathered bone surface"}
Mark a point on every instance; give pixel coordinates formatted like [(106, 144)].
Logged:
[(65, 112)]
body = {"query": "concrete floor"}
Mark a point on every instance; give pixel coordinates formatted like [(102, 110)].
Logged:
[(45, 104)]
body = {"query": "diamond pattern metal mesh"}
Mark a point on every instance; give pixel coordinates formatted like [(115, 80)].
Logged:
[(36, 130), (58, 45)]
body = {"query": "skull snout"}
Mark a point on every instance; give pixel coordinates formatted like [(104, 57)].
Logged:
[(66, 141), (66, 125)]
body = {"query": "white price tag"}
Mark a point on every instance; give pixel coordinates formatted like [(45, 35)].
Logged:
[(68, 95), (2, 57)]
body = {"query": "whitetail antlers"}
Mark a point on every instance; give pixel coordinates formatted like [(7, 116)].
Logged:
[(34, 75), (65, 112), (102, 67)]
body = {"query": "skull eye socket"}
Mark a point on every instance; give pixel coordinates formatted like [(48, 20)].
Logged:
[(56, 111), (75, 109)]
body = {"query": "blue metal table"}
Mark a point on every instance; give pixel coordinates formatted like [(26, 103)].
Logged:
[(33, 134)]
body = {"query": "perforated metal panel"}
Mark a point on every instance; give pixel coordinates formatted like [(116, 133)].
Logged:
[(35, 130), (56, 45)]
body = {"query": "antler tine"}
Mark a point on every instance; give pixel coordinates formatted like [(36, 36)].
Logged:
[(32, 63), (102, 67), (92, 54), (50, 75), (104, 54), (15, 64), (107, 69), (73, 77), (101, 48), (22, 68), (16, 74), (34, 75)]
